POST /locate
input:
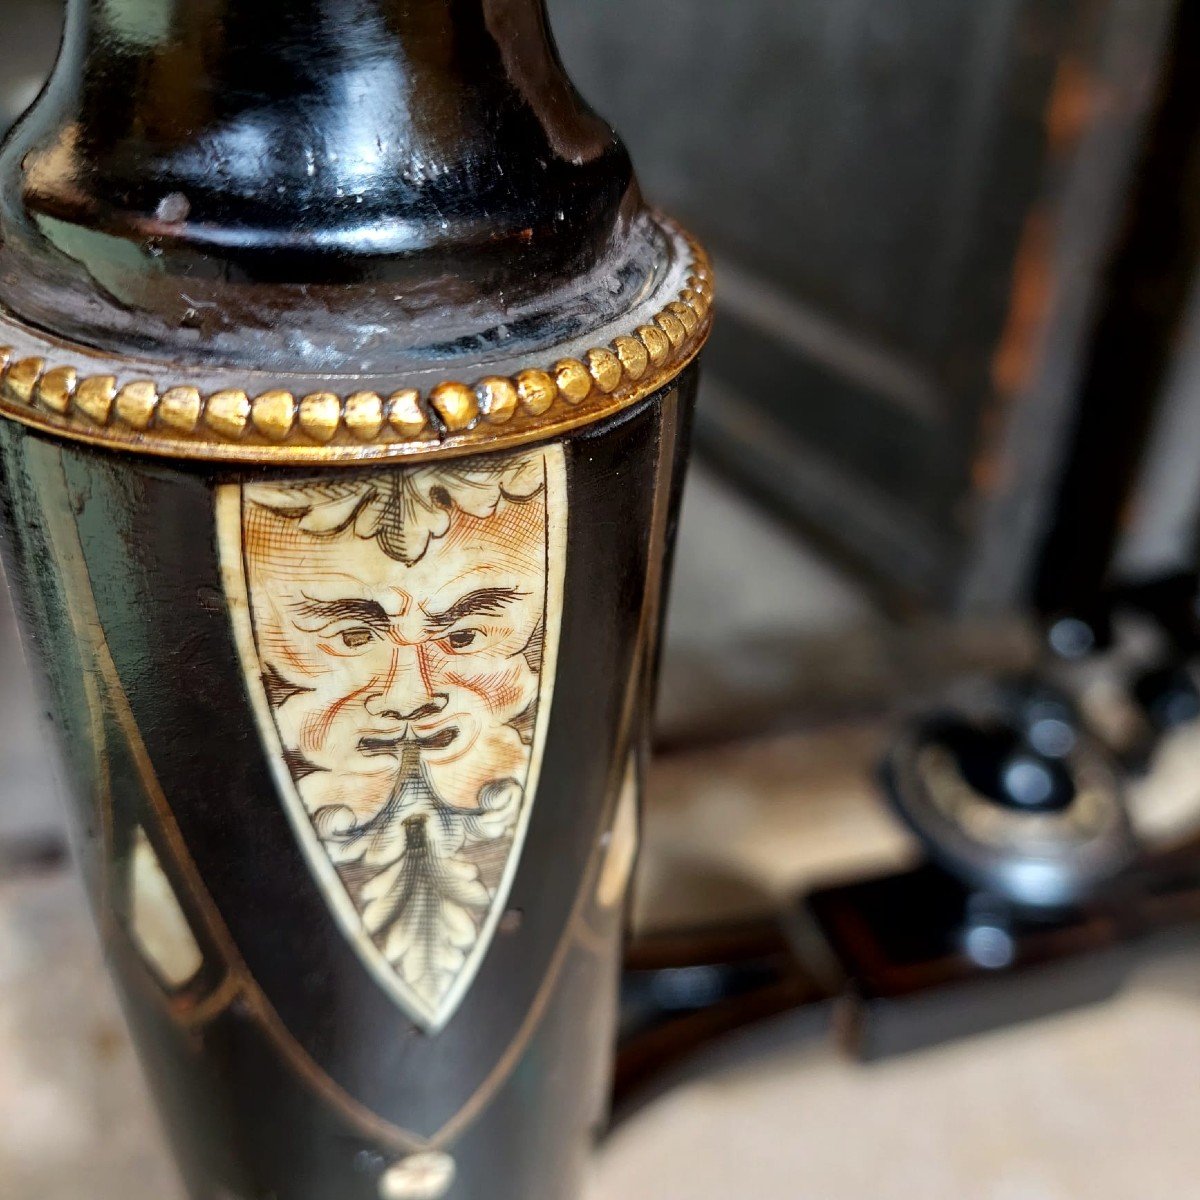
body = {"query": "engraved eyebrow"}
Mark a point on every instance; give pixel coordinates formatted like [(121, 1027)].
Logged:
[(329, 612), (484, 602)]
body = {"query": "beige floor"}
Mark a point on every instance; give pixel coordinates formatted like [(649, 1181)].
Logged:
[(1101, 1104), (75, 1122)]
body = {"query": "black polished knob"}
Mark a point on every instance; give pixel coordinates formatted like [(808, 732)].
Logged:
[(1007, 793), (1168, 695)]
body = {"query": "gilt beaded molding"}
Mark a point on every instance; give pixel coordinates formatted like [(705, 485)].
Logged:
[(82, 397)]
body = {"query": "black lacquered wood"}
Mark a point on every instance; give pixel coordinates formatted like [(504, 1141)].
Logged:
[(327, 193), (198, 167), (306, 1081)]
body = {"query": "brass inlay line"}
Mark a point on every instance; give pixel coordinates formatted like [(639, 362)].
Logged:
[(239, 974), (193, 1015), (635, 690), (242, 423), (240, 984)]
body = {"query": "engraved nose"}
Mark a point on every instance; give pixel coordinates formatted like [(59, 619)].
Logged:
[(400, 703), (383, 708), (404, 693)]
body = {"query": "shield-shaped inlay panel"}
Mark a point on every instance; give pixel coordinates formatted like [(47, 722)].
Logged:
[(399, 630)]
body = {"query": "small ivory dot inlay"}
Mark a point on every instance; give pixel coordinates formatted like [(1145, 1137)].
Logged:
[(158, 924), (423, 1176)]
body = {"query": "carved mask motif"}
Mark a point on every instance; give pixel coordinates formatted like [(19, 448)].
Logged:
[(399, 630)]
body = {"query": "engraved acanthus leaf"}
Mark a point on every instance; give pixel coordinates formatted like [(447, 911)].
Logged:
[(424, 905), (420, 913), (409, 757), (404, 509)]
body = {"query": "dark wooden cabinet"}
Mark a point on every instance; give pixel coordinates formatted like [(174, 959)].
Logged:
[(912, 206)]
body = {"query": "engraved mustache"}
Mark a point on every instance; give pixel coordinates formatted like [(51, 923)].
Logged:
[(390, 743)]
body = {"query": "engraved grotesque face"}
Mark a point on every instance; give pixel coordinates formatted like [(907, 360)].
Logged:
[(392, 626), (372, 650)]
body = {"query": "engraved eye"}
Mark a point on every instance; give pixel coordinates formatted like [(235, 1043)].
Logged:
[(353, 639), (460, 639)]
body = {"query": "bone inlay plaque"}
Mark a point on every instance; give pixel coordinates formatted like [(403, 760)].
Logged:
[(398, 630)]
